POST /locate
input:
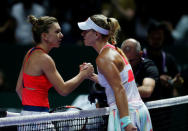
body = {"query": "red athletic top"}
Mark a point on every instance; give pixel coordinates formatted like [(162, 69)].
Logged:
[(35, 88)]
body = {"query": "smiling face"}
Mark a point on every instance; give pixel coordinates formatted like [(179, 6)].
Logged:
[(54, 36)]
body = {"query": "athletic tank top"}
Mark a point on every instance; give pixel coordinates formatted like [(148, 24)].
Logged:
[(35, 88), (128, 81)]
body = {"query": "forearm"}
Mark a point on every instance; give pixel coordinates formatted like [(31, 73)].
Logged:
[(19, 92), (94, 78), (122, 102), (147, 87), (72, 84), (19, 85), (145, 91)]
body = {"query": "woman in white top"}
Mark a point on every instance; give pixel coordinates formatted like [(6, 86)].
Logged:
[(128, 111)]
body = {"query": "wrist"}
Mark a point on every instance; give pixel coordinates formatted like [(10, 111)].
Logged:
[(125, 121), (81, 75)]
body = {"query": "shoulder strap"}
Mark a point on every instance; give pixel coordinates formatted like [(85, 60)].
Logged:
[(30, 52), (28, 55), (113, 47)]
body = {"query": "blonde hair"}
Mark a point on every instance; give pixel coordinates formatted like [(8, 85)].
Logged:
[(110, 24), (40, 25)]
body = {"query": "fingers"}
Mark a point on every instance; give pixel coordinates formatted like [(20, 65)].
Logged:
[(87, 69), (83, 66), (165, 77), (91, 69)]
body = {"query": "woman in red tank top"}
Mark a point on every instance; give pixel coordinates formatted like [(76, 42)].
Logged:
[(38, 73)]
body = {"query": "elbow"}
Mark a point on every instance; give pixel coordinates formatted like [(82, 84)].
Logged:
[(145, 93), (63, 93), (17, 90), (150, 90), (148, 94)]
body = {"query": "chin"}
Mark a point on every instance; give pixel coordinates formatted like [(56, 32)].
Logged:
[(87, 44)]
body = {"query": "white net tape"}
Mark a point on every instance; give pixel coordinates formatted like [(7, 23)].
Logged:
[(167, 102), (20, 120)]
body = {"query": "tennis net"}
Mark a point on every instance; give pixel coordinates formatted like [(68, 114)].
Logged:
[(60, 121), (166, 114), (169, 114)]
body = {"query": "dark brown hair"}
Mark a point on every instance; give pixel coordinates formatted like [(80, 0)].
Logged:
[(40, 25)]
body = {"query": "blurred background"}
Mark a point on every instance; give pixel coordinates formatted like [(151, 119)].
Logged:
[(134, 16)]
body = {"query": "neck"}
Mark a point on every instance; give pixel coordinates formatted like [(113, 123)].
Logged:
[(99, 46), (138, 62), (45, 48)]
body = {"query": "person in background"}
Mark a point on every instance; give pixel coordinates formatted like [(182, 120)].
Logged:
[(145, 71), (7, 25), (170, 77), (4, 83), (128, 112), (124, 11), (19, 11), (38, 73)]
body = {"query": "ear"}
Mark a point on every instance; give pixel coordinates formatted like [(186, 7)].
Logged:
[(98, 35), (44, 36)]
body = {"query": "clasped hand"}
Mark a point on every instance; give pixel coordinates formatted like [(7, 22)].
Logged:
[(87, 69)]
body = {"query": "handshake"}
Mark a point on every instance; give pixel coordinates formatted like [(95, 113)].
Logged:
[(87, 70)]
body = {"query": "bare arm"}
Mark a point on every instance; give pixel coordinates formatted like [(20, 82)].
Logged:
[(64, 88), (147, 87), (19, 85), (112, 75), (94, 78)]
